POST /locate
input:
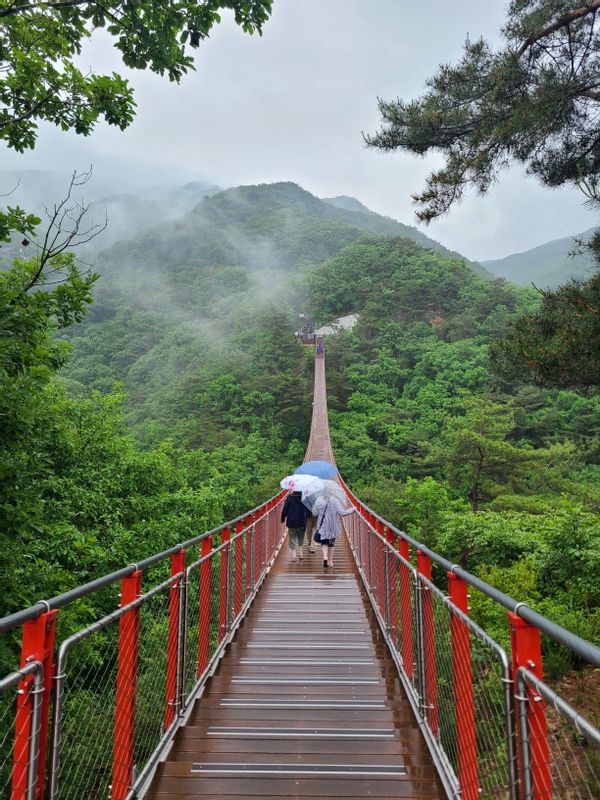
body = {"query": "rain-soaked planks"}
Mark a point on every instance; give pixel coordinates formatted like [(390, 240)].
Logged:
[(305, 703)]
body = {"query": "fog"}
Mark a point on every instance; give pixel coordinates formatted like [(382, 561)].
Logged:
[(292, 105)]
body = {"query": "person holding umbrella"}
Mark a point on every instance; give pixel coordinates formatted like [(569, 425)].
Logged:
[(295, 514), (329, 524)]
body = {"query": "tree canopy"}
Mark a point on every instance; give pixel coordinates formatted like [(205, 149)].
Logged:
[(40, 42), (534, 100)]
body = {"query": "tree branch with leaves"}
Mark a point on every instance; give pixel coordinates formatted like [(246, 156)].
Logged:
[(39, 44), (535, 101)]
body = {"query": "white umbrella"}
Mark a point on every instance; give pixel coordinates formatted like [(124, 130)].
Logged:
[(329, 489), (307, 484)]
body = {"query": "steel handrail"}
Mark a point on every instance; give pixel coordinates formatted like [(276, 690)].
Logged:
[(12, 621), (581, 647)]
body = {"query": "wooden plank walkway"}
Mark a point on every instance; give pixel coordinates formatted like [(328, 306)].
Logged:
[(306, 702)]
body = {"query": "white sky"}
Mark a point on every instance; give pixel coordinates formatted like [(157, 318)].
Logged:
[(291, 105)]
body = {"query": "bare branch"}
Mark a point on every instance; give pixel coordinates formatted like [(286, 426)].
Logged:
[(66, 227)]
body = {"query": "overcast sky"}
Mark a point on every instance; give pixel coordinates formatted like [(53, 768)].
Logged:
[(291, 105)]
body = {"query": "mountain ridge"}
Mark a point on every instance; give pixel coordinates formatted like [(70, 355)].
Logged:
[(548, 264)]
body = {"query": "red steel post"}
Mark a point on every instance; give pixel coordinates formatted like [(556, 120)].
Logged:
[(224, 584), (249, 551), (37, 645), (526, 649), (406, 617), (238, 565), (392, 562), (124, 726), (171, 700), (430, 669), (204, 607), (462, 672), (380, 550)]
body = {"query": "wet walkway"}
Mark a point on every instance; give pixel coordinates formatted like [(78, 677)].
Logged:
[(306, 702)]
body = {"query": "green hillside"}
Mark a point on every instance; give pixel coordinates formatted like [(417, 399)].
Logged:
[(501, 478), (195, 320), (176, 301), (356, 212), (546, 266)]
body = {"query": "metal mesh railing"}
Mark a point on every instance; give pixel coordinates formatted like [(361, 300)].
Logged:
[(155, 690), (20, 697), (560, 748), (85, 715), (203, 635), (111, 696), (465, 698), (457, 677)]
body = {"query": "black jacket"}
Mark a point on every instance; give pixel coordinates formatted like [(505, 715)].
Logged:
[(294, 513)]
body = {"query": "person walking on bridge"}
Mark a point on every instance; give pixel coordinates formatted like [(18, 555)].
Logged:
[(329, 526), (294, 513)]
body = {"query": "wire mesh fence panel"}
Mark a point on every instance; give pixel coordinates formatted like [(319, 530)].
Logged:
[(378, 574), (439, 697), (493, 728), (8, 711), (569, 743), (202, 618), (88, 717), (464, 677), (19, 731), (157, 643)]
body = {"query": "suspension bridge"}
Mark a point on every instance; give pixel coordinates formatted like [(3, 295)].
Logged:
[(224, 670)]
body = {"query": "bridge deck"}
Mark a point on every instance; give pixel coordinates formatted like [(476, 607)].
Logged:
[(306, 701)]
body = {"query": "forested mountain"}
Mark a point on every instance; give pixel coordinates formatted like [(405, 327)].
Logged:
[(185, 396), (548, 265), (501, 478), (175, 304), (386, 226)]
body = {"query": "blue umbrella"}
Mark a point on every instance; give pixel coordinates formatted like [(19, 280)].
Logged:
[(321, 469)]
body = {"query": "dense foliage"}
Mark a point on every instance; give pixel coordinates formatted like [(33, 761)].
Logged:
[(427, 435), (559, 345), (80, 497), (185, 396)]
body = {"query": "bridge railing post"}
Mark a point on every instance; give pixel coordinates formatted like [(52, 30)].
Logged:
[(224, 585), (391, 563), (174, 641), (238, 549), (429, 686), (406, 610), (368, 529), (462, 675), (124, 725), (533, 753), (28, 772), (204, 610)]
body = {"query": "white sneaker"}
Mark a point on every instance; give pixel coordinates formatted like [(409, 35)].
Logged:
[(313, 549), (294, 555), (300, 553)]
